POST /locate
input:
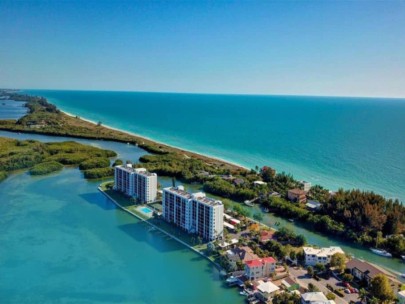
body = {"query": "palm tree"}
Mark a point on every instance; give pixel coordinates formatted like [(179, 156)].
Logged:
[(374, 300), (363, 295)]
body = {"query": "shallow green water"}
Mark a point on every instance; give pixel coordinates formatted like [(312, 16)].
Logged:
[(63, 242)]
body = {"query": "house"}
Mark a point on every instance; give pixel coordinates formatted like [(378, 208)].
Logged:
[(307, 185), (275, 194), (315, 298), (401, 297), (315, 256), (297, 195), (289, 284), (238, 181), (362, 270), (259, 183), (265, 290), (260, 268), (313, 205), (266, 235), (240, 254)]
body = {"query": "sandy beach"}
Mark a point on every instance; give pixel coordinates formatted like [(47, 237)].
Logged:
[(141, 137)]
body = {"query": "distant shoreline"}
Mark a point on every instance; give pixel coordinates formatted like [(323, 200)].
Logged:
[(155, 141)]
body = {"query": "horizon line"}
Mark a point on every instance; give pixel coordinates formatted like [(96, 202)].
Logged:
[(205, 93)]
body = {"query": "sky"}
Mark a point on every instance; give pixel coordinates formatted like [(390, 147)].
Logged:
[(332, 48)]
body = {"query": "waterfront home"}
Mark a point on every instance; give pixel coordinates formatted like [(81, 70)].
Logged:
[(289, 284), (266, 235), (136, 182), (297, 195), (265, 290), (238, 181), (224, 244), (259, 183), (260, 268), (315, 298), (193, 212), (315, 256), (306, 185), (362, 270), (240, 254), (313, 205), (401, 297)]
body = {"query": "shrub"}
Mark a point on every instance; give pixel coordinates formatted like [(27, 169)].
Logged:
[(45, 168), (92, 163), (330, 296), (98, 173), (3, 175)]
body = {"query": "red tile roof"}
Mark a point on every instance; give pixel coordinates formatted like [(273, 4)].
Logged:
[(260, 262)]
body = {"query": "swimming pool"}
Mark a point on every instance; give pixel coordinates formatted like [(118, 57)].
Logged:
[(146, 210)]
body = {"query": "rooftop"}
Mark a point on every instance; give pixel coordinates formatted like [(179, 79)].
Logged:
[(314, 297), (140, 171), (244, 253), (364, 267), (297, 191), (267, 287), (179, 191), (260, 262), (327, 251)]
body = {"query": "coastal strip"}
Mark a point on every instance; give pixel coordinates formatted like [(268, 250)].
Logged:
[(160, 229)]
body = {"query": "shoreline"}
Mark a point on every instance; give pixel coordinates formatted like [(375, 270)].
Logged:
[(156, 141), (219, 268)]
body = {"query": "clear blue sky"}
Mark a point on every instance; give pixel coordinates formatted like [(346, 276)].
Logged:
[(354, 48)]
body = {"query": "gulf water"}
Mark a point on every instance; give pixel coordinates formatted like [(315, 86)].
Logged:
[(335, 142)]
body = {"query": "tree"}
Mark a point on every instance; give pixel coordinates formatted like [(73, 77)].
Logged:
[(330, 296), (380, 288), (347, 277), (319, 267), (338, 260), (363, 295), (310, 271), (312, 288), (293, 255)]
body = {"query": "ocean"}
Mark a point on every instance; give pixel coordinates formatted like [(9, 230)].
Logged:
[(332, 141)]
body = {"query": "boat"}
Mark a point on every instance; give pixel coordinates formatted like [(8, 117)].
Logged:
[(291, 220), (381, 252), (243, 293), (248, 203), (402, 275), (267, 210), (232, 281), (403, 257)]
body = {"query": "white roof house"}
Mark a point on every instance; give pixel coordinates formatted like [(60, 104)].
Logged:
[(315, 298), (314, 256), (257, 183), (267, 287)]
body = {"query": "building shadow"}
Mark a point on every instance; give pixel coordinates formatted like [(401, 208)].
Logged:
[(101, 201)]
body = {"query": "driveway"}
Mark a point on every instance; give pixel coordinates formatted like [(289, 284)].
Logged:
[(301, 276)]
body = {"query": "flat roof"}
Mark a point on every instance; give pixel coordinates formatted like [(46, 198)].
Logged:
[(130, 169), (322, 251), (178, 191), (198, 196)]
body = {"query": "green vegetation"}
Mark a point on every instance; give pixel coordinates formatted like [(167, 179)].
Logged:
[(362, 217), (338, 260), (3, 175), (380, 289), (286, 298), (287, 236), (98, 162), (98, 173), (43, 158), (46, 168)]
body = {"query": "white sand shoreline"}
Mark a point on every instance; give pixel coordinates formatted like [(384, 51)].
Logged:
[(157, 142)]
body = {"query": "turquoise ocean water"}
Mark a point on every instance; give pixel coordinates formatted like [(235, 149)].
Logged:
[(336, 142)]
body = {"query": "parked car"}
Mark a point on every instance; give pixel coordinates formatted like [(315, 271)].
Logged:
[(347, 290)]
